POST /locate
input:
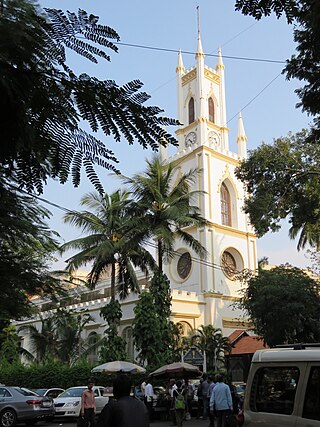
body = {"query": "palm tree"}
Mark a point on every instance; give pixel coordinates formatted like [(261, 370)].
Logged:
[(110, 242), (44, 341), (163, 206), (209, 339)]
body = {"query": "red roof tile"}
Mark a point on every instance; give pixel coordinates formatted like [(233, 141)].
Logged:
[(248, 344)]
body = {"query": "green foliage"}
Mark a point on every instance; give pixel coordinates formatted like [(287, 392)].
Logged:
[(42, 376), (283, 181), (27, 247), (9, 350), (152, 329), (163, 206), (111, 242), (43, 101), (59, 338), (305, 65), (284, 306), (113, 346), (210, 340)]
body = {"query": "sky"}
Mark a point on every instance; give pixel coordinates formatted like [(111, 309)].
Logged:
[(257, 88)]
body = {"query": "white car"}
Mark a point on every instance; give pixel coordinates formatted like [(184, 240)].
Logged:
[(68, 404)]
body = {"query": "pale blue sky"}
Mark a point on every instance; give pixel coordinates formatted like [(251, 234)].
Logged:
[(173, 25)]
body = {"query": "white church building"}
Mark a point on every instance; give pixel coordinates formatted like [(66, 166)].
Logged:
[(203, 291)]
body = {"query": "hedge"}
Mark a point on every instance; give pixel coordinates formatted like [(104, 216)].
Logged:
[(53, 375)]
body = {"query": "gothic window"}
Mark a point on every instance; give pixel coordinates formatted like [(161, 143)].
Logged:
[(93, 350), (191, 110), (127, 335), (211, 110), (225, 205), (185, 329)]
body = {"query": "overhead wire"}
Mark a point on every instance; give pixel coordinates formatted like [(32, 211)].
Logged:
[(79, 214)]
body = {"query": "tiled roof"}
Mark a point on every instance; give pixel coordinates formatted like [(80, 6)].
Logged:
[(236, 335), (248, 344)]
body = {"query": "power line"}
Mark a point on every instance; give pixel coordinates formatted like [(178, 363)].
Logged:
[(186, 52), (79, 214)]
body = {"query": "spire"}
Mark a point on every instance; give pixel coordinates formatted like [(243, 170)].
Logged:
[(220, 60), (199, 47), (241, 138), (180, 66)]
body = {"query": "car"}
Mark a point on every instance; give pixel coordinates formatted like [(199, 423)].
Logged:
[(68, 404), (240, 388), (283, 387), (19, 404), (50, 392)]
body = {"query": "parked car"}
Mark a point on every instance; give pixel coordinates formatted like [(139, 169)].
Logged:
[(283, 387), (240, 388), (18, 404), (50, 392), (68, 404)]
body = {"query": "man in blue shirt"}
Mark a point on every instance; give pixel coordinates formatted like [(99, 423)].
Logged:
[(221, 401)]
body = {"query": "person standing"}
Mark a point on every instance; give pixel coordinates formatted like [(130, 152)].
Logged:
[(123, 410), (205, 389), (148, 398), (221, 401), (179, 396), (88, 405)]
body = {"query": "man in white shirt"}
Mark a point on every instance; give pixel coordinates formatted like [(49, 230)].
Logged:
[(148, 397)]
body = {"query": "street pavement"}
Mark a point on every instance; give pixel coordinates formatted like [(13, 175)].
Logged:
[(156, 423)]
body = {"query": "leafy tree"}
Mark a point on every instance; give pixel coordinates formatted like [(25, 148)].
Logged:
[(27, 247), (9, 351), (283, 304), (146, 330), (163, 197), (110, 242), (210, 340), (59, 338), (153, 331), (305, 64), (43, 100), (113, 346), (283, 181)]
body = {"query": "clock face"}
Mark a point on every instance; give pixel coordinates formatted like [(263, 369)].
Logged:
[(213, 138), (184, 265), (228, 264), (190, 139)]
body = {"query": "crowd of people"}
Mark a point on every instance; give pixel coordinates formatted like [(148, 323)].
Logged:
[(217, 402)]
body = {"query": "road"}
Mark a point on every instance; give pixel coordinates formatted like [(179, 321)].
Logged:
[(71, 423)]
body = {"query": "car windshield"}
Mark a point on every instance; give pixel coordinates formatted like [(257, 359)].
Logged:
[(41, 391), (25, 391), (73, 392)]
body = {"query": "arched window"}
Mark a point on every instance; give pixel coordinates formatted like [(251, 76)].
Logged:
[(127, 336), (225, 205), (93, 350), (211, 110), (191, 110), (185, 328)]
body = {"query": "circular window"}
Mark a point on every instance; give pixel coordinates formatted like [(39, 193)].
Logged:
[(228, 264), (184, 265)]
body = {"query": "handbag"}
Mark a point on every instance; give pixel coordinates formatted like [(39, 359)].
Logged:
[(231, 420)]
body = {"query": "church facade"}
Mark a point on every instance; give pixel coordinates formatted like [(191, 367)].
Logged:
[(203, 290)]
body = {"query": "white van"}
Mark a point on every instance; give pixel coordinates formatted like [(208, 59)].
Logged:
[(283, 388)]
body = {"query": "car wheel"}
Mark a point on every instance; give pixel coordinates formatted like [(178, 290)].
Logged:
[(8, 418)]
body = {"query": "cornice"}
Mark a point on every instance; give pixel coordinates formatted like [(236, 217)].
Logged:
[(210, 75), (189, 77)]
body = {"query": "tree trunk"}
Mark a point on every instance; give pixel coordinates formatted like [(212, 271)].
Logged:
[(160, 256), (113, 280)]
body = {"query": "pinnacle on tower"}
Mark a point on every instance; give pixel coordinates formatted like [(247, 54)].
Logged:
[(220, 60), (180, 66), (241, 138), (241, 132), (199, 47)]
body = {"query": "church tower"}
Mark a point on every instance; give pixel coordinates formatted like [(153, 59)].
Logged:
[(228, 237)]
